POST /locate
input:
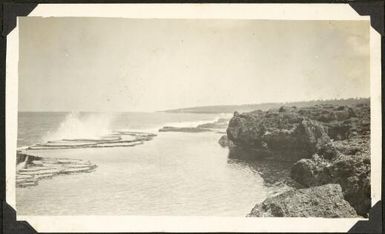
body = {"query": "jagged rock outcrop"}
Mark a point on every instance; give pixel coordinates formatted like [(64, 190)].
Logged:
[(352, 173), (283, 134), (329, 143), (323, 201)]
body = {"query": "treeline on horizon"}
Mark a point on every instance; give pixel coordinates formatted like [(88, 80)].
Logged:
[(266, 106)]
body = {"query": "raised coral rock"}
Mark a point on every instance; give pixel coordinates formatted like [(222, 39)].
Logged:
[(325, 201)]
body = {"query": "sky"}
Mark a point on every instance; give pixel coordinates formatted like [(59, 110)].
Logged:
[(116, 64)]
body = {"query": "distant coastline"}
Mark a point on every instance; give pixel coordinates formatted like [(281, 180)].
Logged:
[(217, 109)]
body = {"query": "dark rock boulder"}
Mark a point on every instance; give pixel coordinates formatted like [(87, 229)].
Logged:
[(352, 173), (323, 201), (225, 142), (311, 172), (282, 134), (336, 119)]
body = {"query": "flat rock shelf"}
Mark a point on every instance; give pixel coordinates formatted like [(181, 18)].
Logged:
[(116, 139), (36, 168), (31, 167)]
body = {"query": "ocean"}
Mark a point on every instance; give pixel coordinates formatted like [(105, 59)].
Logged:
[(176, 173)]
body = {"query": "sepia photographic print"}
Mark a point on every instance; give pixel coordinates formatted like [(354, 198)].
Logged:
[(200, 114)]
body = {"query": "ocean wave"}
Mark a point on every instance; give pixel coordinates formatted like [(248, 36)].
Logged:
[(95, 126), (80, 125)]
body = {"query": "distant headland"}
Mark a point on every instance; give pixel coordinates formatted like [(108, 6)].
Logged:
[(264, 106)]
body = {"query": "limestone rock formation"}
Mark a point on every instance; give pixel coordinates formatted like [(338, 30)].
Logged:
[(352, 173), (323, 201), (283, 134), (326, 143)]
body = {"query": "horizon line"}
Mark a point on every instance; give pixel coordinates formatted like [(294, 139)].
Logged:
[(190, 107)]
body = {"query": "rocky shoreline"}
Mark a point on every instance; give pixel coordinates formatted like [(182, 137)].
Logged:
[(329, 148), (34, 168), (31, 167)]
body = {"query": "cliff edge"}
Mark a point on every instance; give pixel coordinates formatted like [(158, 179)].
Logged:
[(328, 144)]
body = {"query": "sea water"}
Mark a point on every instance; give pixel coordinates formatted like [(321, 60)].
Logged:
[(181, 174)]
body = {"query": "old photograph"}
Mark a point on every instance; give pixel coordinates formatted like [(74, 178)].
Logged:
[(148, 117), (247, 118)]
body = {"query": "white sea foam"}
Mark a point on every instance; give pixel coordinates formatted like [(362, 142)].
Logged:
[(95, 125), (145, 130), (193, 124), (187, 124), (83, 126)]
